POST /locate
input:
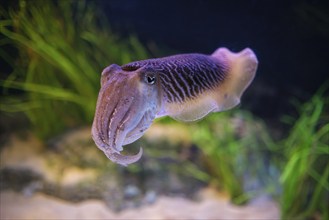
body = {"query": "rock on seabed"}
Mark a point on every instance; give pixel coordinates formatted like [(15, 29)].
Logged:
[(30, 202)]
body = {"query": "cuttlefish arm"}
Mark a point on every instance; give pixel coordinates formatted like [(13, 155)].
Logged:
[(186, 87), (125, 103)]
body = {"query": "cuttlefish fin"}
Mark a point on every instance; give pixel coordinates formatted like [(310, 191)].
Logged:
[(241, 69), (192, 110)]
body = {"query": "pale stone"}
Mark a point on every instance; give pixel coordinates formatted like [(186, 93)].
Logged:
[(75, 175), (162, 132)]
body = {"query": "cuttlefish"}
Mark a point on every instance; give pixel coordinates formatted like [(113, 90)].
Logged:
[(185, 87)]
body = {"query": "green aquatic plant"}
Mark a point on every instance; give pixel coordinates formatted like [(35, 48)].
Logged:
[(62, 48), (305, 170), (238, 148), (233, 144)]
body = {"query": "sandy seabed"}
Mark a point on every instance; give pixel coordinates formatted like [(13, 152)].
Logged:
[(40, 206)]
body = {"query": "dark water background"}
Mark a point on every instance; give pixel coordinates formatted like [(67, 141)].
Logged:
[(290, 38)]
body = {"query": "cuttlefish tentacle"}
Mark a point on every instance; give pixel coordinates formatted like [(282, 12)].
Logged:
[(118, 122), (142, 126), (124, 159), (186, 87), (104, 109)]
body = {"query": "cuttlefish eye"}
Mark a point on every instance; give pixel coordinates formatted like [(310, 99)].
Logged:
[(150, 78)]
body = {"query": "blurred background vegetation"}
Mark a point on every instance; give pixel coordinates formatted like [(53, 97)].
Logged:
[(60, 48), (59, 61)]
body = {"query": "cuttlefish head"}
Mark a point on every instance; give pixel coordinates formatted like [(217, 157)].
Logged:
[(127, 104)]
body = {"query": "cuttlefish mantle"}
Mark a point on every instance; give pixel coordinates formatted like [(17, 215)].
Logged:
[(185, 87)]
